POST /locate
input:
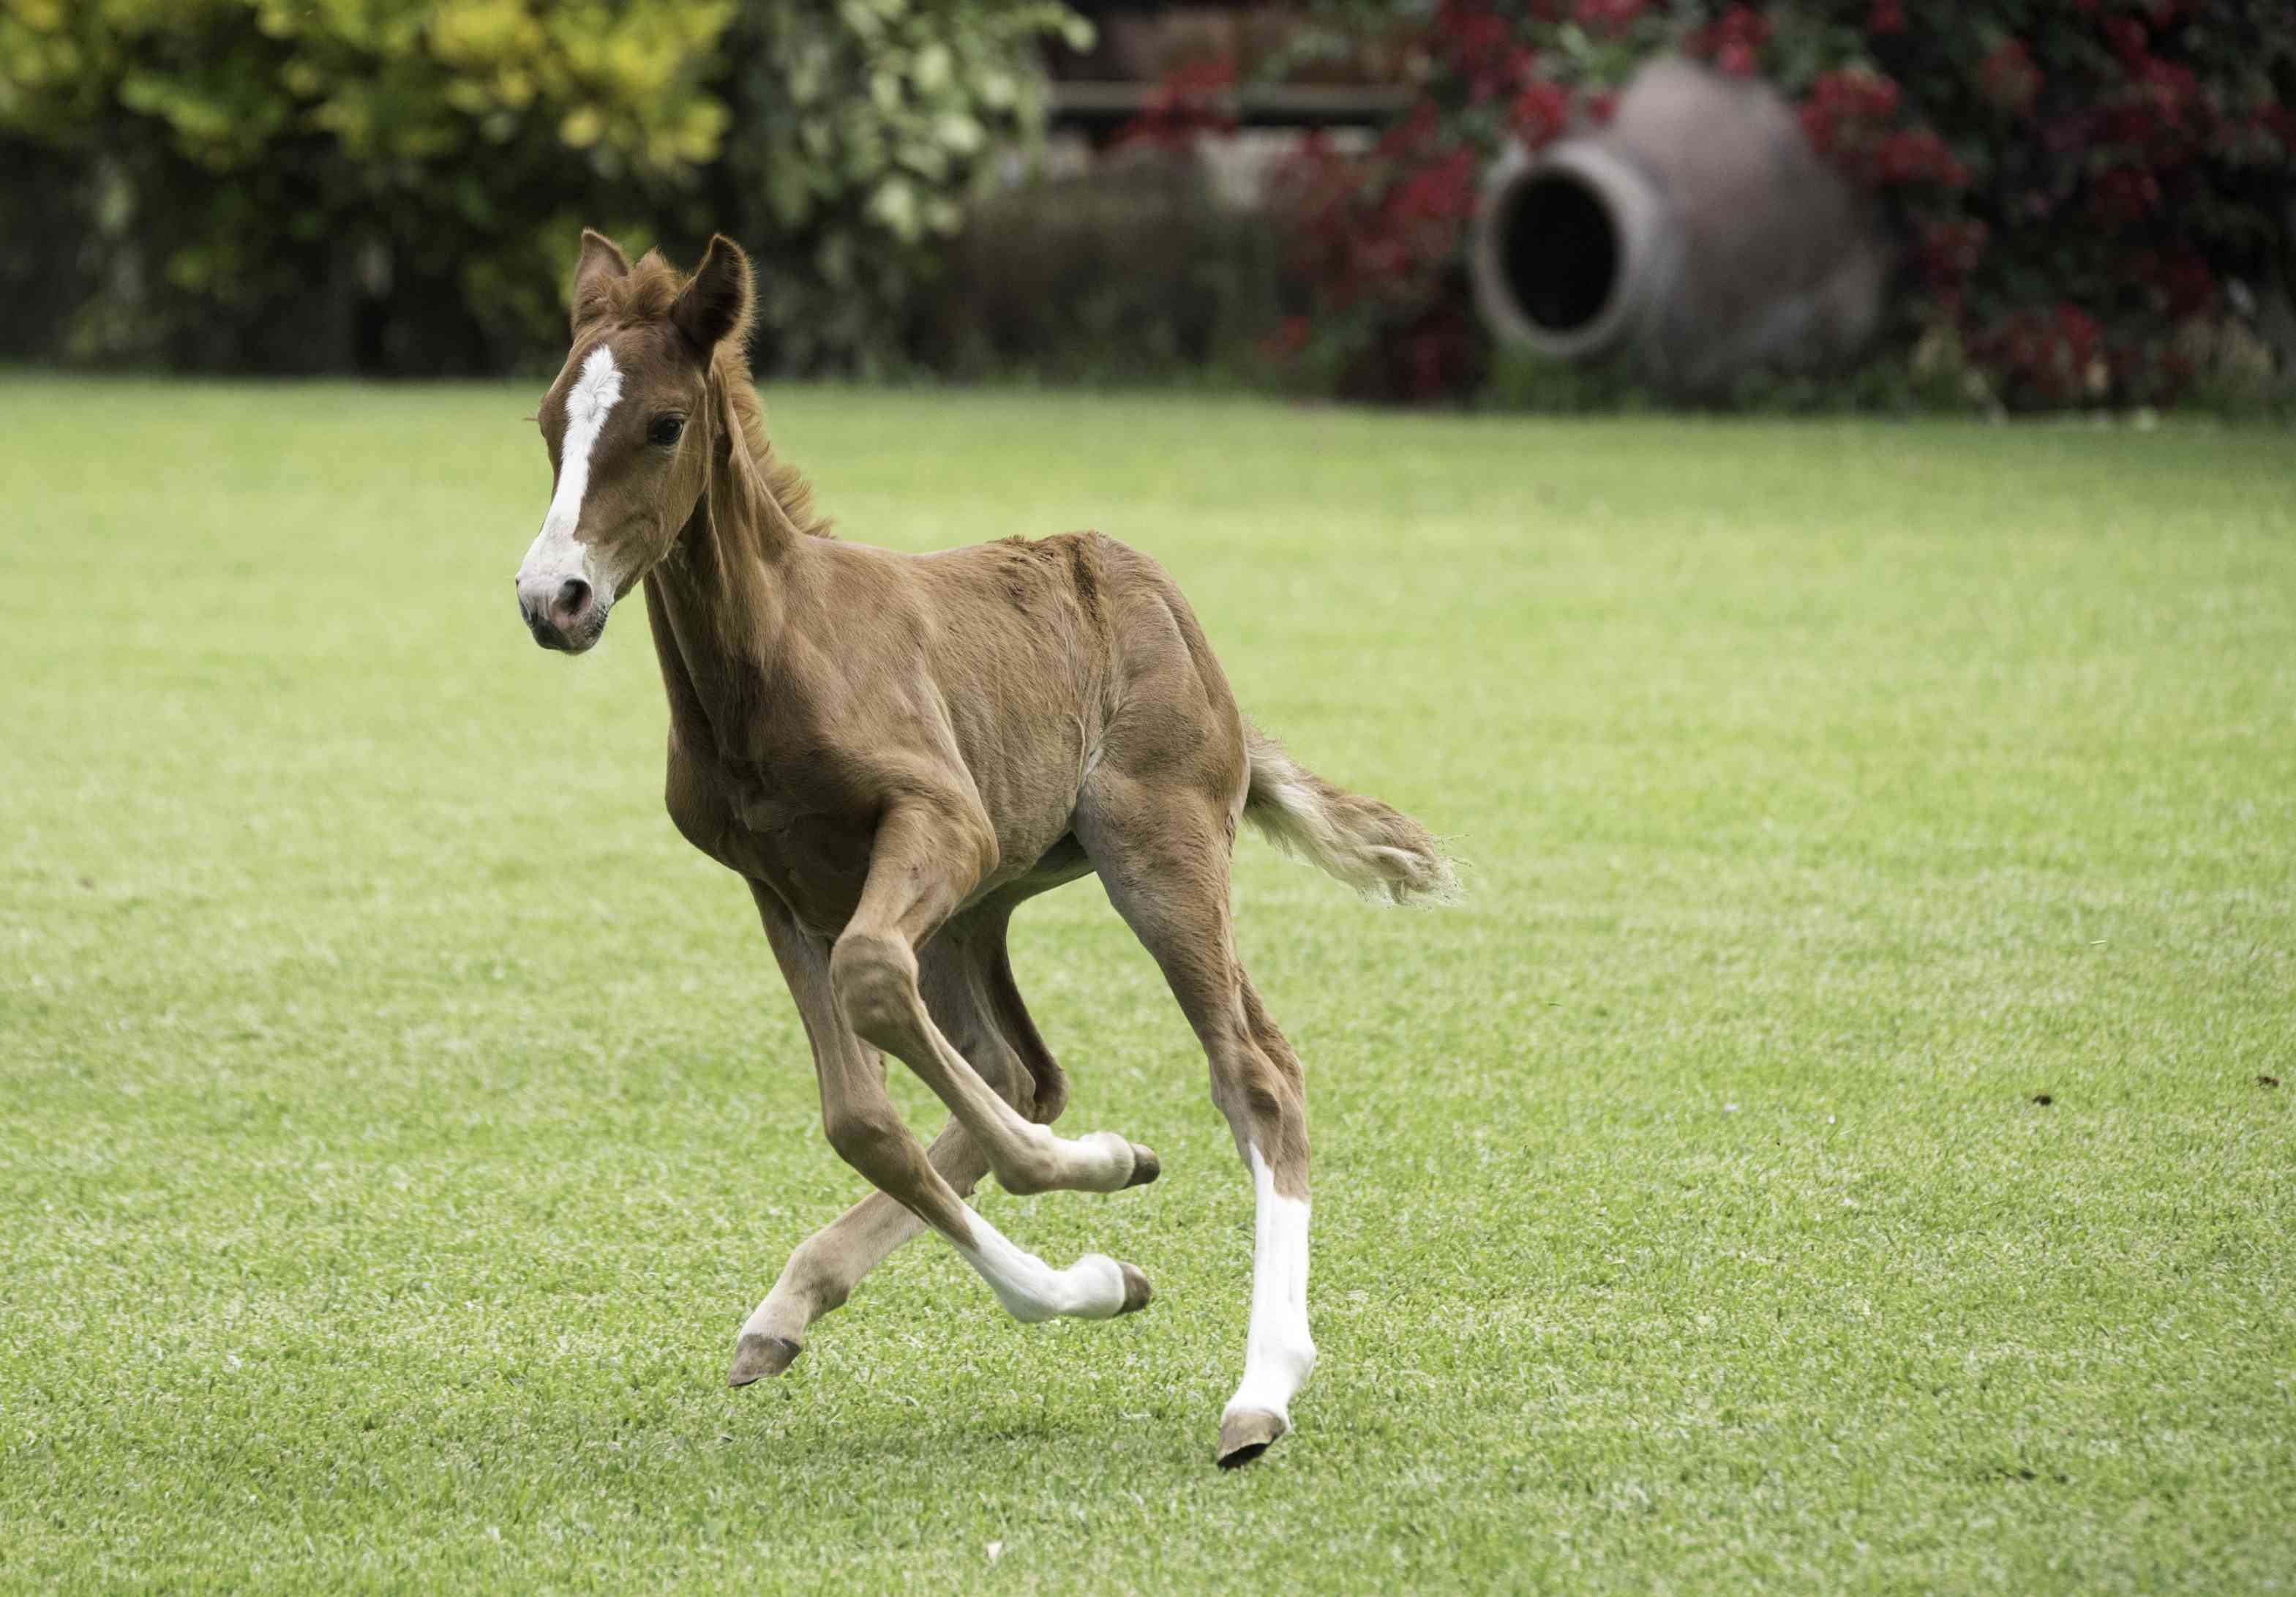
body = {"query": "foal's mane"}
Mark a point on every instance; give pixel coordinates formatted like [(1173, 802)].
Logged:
[(784, 493), (761, 485)]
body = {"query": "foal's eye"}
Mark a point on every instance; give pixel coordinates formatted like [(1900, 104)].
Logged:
[(665, 430)]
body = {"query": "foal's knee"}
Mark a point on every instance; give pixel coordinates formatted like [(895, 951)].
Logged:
[(874, 979), (868, 1137)]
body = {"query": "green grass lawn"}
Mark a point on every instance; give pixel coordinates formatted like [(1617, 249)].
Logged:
[(399, 1119)]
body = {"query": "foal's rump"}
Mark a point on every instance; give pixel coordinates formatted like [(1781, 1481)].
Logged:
[(1181, 730)]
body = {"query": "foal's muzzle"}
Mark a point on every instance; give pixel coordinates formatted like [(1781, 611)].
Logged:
[(563, 613)]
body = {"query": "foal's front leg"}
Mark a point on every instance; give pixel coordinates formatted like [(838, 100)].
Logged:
[(865, 1128), (925, 859), (828, 1264)]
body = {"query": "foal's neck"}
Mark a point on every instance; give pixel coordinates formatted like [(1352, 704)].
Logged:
[(717, 602)]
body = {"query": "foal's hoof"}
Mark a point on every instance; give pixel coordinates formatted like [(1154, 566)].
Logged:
[(1244, 1436), (756, 1355), (1145, 1166), (1137, 1292)]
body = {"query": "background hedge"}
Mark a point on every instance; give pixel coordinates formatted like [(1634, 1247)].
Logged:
[(2091, 199), (397, 185)]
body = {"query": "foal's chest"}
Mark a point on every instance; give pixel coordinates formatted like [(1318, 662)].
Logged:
[(814, 858)]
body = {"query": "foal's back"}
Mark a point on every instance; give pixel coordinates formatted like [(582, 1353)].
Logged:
[(1049, 658)]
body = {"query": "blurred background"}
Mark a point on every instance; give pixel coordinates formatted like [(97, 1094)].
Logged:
[(2000, 204)]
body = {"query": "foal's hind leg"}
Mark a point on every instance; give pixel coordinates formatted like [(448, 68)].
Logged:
[(968, 985), (1164, 857)]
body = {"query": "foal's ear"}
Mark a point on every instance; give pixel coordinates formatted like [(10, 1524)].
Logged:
[(601, 263), (716, 305)]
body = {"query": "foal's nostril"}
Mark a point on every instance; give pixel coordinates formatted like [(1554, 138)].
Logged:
[(573, 598)]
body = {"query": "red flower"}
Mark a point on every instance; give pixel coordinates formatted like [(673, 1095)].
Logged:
[(2170, 86), (2057, 353), (1442, 192), (2181, 282), (1427, 353), (1855, 96), (2134, 124), (1845, 113), (1744, 22), (2079, 331), (2127, 38), (1479, 41), (1405, 138), (1950, 250), (2008, 78), (2121, 195), (1888, 16), (1540, 114), (1818, 128), (1289, 338), (2279, 122), (1610, 16), (1191, 100), (1917, 156), (1732, 39), (2188, 285)]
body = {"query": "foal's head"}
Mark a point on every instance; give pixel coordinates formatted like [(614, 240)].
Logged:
[(629, 424)]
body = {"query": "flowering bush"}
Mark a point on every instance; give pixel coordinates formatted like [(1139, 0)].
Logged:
[(1377, 243), (2069, 185)]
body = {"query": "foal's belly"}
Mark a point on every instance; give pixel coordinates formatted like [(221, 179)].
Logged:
[(817, 864)]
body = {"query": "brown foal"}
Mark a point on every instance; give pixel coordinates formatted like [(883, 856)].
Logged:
[(894, 750)]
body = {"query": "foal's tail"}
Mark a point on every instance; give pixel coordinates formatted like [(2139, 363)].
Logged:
[(1381, 853)]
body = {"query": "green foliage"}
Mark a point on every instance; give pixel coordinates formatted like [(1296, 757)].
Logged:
[(397, 185), (857, 143)]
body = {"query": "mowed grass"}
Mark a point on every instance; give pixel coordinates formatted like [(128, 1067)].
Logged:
[(399, 1119)]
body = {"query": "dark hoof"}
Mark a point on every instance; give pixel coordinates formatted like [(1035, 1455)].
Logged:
[(1145, 1166), (1137, 1292), (1245, 1435), (756, 1356)]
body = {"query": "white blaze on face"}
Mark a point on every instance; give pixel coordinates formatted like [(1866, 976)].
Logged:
[(555, 556), (1278, 1352)]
